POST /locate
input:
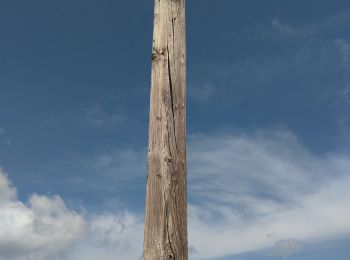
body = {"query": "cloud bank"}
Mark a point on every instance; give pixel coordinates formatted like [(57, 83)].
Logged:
[(247, 192), (44, 228)]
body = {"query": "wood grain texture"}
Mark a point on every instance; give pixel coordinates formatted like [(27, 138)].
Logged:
[(166, 200)]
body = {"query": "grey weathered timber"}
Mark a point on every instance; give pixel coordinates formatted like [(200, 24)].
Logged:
[(166, 200)]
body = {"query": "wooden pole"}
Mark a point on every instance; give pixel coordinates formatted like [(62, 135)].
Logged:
[(165, 234)]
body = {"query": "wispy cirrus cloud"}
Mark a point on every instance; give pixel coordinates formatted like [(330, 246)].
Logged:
[(287, 29), (246, 187), (98, 117), (4, 139), (344, 48), (103, 172), (201, 92)]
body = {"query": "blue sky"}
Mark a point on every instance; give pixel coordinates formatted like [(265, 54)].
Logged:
[(268, 128)]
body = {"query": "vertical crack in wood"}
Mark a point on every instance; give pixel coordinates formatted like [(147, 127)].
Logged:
[(169, 146), (168, 229), (173, 43), (171, 90), (172, 26), (170, 85)]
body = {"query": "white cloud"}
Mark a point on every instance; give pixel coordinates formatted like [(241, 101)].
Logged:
[(42, 228), (247, 192), (7, 191), (244, 188), (111, 236), (287, 247)]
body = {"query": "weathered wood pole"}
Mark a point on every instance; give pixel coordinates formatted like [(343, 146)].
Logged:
[(166, 200)]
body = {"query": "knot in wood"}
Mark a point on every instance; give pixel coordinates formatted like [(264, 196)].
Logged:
[(168, 159), (156, 54)]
